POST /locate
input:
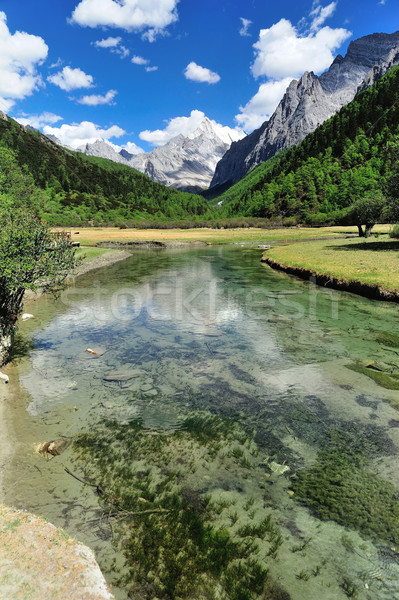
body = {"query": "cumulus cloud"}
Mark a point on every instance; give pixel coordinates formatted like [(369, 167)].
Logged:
[(139, 60), (71, 79), (245, 24), (97, 99), (109, 42), (197, 73), (130, 147), (114, 45), (144, 62), (261, 106), (282, 53), (77, 134), (39, 121), (150, 16), (186, 126), (133, 148), (20, 54)]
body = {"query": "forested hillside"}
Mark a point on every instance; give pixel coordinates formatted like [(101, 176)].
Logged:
[(77, 189), (347, 157)]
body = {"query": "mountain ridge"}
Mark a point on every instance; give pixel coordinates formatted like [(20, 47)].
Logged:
[(309, 102), (186, 163)]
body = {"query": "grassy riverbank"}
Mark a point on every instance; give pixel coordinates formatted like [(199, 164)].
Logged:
[(374, 262), (90, 236)]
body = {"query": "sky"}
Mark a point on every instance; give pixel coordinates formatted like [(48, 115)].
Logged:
[(138, 72)]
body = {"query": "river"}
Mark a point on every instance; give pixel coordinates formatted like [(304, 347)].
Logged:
[(228, 450)]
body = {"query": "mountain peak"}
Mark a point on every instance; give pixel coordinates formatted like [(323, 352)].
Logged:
[(309, 102)]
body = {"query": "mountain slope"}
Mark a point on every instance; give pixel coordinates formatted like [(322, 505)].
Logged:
[(344, 159), (309, 102), (77, 189), (185, 162)]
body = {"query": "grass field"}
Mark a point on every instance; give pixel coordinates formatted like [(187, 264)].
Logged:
[(90, 236), (371, 261), (90, 253)]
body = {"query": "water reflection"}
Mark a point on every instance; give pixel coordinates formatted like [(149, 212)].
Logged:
[(217, 332)]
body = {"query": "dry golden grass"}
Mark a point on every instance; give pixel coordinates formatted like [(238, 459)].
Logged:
[(372, 261), (89, 236)]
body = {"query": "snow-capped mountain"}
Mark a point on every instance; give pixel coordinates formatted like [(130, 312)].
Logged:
[(309, 102), (185, 162)]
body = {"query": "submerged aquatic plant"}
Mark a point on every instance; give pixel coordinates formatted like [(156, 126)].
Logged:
[(175, 537), (341, 488)]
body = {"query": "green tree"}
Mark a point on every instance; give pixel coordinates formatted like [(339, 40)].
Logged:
[(31, 256), (368, 211)]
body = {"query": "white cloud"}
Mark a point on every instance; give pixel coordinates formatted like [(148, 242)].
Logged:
[(114, 45), (320, 14), (282, 53), (245, 24), (139, 60), (109, 42), (133, 15), (130, 147), (97, 99), (6, 104), (71, 79), (201, 74), (263, 104), (20, 54), (77, 134), (39, 121), (186, 126), (58, 63)]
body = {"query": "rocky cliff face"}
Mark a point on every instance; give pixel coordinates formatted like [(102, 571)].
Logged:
[(186, 162), (309, 102)]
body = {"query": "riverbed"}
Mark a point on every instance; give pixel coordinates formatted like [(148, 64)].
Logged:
[(221, 405)]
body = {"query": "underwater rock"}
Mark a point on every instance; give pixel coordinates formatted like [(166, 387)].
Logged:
[(123, 374), (4, 377), (152, 392), (95, 352), (279, 469), (54, 447)]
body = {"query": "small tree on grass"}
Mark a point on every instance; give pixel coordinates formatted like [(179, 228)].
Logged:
[(31, 256), (367, 212)]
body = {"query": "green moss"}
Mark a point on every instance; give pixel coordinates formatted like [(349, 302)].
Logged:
[(339, 487), (389, 382), (388, 339)]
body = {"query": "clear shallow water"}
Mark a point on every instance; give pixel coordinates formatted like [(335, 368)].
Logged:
[(215, 331)]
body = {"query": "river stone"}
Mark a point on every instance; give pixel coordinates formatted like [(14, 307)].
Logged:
[(55, 447), (146, 387), (152, 392), (123, 374), (279, 469)]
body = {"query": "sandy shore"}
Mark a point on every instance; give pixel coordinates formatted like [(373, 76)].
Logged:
[(4, 433)]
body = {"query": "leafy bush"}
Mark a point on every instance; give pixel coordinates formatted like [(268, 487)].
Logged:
[(394, 233)]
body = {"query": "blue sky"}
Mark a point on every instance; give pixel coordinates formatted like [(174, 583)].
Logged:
[(137, 72)]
